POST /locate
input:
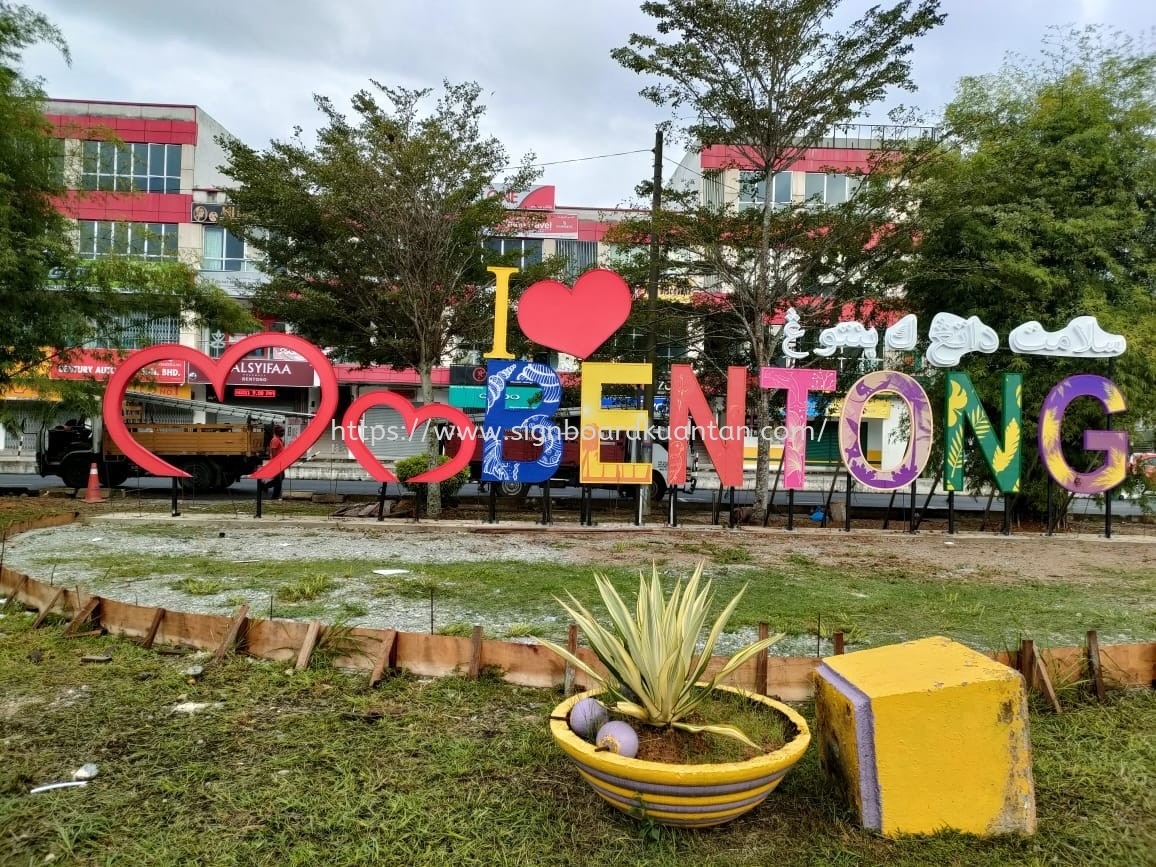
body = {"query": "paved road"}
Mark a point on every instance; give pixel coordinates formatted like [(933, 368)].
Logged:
[(806, 502)]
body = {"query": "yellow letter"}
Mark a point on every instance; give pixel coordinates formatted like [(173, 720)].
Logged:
[(501, 311), (595, 419)]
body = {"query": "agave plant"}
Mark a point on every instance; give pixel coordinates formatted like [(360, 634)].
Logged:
[(652, 654)]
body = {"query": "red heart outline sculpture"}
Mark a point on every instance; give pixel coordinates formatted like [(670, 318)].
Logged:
[(579, 320), (412, 416), (218, 372)]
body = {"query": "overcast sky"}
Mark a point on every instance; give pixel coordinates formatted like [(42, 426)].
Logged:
[(545, 65)]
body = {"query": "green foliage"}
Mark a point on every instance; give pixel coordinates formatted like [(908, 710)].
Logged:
[(457, 629), (414, 465), (523, 630), (772, 80), (313, 767), (305, 588), (199, 586), (53, 302), (372, 236), (725, 554), (883, 599), (1041, 207), (349, 609), (652, 654)]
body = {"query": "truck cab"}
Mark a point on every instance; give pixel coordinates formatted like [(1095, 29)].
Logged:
[(66, 450)]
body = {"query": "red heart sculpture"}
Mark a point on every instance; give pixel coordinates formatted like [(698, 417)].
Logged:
[(578, 320), (218, 372), (353, 432)]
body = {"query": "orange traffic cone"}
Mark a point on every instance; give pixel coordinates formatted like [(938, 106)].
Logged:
[(92, 495)]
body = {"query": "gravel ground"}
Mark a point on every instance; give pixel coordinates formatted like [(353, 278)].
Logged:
[(64, 555), (35, 553), (59, 553)]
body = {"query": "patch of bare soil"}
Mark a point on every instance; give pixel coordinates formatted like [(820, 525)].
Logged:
[(1075, 555)]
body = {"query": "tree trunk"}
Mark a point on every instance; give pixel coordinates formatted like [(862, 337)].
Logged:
[(760, 347), (433, 446), (763, 423)]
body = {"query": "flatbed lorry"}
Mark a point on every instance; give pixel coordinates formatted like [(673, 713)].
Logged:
[(214, 455)]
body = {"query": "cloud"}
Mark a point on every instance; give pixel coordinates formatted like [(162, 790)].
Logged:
[(544, 65)]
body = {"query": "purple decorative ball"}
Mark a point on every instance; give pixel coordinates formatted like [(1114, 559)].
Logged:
[(587, 717), (618, 737)]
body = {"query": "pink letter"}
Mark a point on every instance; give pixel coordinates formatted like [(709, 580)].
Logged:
[(799, 383)]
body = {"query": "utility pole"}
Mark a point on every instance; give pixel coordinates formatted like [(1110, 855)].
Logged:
[(652, 304)]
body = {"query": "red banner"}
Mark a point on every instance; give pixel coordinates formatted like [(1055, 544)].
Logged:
[(97, 364), (263, 371)]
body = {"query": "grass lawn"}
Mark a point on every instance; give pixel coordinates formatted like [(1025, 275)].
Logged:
[(314, 768)]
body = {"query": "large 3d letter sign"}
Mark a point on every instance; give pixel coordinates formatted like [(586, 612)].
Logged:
[(531, 425), (798, 382), (1113, 442), (218, 372), (964, 410), (596, 419), (355, 440), (918, 443), (578, 320), (686, 402)]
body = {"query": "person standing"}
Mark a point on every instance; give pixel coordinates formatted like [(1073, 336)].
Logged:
[(276, 446)]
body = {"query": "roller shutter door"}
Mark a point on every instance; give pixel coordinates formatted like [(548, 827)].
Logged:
[(385, 434), (824, 448)]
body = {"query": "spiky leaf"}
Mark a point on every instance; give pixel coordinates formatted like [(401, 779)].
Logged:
[(652, 653)]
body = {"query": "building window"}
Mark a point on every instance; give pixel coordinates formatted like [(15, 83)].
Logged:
[(131, 168), (753, 188), (580, 256), (830, 189), (224, 251), (671, 342), (143, 240), (136, 331), (523, 251), (713, 189), (815, 188), (56, 154)]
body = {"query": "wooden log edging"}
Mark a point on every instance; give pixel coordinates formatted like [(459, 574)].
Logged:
[(374, 650)]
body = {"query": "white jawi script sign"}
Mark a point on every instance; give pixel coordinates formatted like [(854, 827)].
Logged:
[(951, 337)]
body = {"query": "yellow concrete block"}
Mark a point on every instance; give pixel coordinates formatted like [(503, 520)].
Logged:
[(925, 736)]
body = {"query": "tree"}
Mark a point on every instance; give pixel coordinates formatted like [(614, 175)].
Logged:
[(374, 237), (54, 302), (1042, 205), (767, 78)]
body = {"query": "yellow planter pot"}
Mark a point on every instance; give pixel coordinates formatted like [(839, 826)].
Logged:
[(670, 794)]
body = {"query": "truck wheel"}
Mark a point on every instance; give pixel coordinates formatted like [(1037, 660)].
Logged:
[(657, 488), (115, 474), (74, 471), (513, 489), (220, 476), (202, 477)]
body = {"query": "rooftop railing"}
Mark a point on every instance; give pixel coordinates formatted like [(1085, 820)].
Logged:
[(872, 135)]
